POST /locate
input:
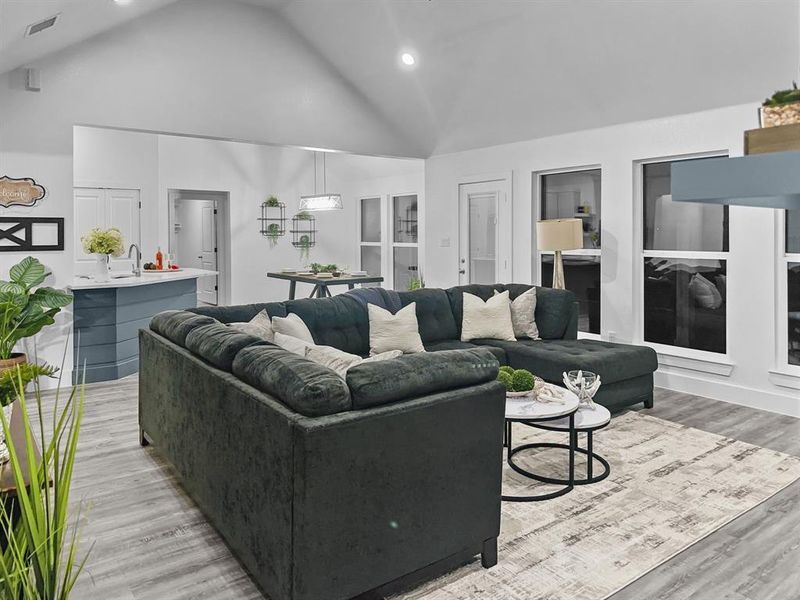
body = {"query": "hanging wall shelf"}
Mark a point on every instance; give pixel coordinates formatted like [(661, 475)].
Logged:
[(273, 219), (304, 232)]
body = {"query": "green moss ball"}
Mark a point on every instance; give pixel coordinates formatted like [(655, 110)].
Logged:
[(506, 379), (522, 380), (507, 369)]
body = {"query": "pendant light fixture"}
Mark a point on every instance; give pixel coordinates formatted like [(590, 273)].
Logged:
[(323, 201)]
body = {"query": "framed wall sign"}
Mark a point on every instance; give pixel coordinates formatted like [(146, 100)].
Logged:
[(20, 192), (31, 234)]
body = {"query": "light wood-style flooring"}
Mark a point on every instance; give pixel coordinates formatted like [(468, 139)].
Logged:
[(152, 543)]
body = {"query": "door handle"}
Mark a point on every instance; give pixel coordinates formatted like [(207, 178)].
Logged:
[(461, 271)]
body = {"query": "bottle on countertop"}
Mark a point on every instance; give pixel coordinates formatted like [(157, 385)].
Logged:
[(159, 259)]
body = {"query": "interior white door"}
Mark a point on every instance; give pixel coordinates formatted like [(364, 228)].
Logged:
[(196, 242), (122, 208), (104, 208), (90, 212), (484, 257)]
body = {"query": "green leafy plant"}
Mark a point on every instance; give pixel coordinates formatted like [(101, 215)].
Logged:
[(103, 241), (273, 232), (784, 96), (40, 559), (303, 216), (272, 202), (25, 308), (320, 268), (506, 379), (522, 380), (10, 379), (415, 283), (305, 246)]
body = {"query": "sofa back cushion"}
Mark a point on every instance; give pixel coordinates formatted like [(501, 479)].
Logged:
[(302, 385), (219, 344), (413, 375), (241, 313), (554, 310), (340, 321), (175, 325), (434, 314)]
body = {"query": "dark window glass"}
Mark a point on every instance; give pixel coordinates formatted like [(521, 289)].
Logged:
[(793, 231), (371, 220), (685, 303), (582, 276), (405, 219), (371, 260), (571, 195), (405, 267), (672, 225), (793, 281)]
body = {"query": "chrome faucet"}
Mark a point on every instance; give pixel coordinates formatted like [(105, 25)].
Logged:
[(137, 270)]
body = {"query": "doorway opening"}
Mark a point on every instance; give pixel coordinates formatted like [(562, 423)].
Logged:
[(198, 239)]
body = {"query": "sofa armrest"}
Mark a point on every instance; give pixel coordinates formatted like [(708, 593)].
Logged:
[(414, 375)]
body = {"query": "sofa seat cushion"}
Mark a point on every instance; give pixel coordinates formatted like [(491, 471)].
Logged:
[(340, 321), (175, 325), (219, 344), (434, 314), (499, 353), (302, 385), (413, 375), (549, 359)]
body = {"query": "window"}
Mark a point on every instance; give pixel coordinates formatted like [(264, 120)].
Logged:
[(405, 246), (576, 194), (371, 234), (685, 249), (792, 258)]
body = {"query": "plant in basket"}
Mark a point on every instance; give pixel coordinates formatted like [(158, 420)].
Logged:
[(518, 382)]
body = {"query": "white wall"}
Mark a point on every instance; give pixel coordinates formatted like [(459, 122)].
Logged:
[(751, 263)]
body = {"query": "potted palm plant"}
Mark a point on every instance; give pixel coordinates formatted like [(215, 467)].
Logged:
[(26, 307)]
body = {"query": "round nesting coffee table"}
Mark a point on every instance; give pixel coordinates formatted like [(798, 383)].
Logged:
[(528, 411), (585, 420)]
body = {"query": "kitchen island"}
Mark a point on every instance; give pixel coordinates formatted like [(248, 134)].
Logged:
[(108, 315)]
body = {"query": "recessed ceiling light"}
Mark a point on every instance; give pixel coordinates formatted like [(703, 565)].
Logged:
[(408, 59), (123, 2)]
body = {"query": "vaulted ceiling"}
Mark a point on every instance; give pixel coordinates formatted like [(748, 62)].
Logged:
[(496, 71)]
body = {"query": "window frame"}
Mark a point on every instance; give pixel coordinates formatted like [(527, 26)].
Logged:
[(537, 215), (782, 262), (361, 244), (677, 356), (391, 240)]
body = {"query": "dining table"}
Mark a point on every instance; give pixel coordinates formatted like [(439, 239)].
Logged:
[(322, 283)]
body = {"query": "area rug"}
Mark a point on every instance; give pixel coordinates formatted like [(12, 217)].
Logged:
[(670, 486)]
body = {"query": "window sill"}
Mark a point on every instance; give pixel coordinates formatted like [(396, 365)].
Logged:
[(785, 378), (583, 335), (693, 360)]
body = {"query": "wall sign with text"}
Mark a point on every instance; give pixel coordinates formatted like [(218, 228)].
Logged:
[(19, 192)]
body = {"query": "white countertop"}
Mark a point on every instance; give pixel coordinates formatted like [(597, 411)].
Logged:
[(87, 283)]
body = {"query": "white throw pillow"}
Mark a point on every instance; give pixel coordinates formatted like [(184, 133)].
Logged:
[(294, 326), (704, 293), (487, 320), (259, 326), (523, 310), (398, 331), (340, 361), (292, 344)]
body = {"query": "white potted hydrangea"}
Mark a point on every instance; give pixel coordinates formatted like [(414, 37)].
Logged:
[(103, 243)]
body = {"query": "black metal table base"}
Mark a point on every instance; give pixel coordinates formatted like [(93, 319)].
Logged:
[(572, 448)]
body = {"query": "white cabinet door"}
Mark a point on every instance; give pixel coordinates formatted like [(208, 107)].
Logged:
[(104, 208)]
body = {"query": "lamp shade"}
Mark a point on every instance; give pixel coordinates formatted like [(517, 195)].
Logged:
[(321, 202), (559, 234)]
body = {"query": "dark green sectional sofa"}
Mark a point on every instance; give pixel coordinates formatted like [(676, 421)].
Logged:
[(327, 488)]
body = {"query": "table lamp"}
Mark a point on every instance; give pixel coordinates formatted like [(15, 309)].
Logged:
[(557, 235)]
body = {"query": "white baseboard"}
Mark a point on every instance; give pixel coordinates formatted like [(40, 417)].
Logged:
[(785, 404)]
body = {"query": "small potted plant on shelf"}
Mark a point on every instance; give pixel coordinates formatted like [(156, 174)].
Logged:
[(415, 283), (782, 108), (103, 243)]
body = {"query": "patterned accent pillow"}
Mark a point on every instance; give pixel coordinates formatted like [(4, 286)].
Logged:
[(340, 361), (259, 326), (523, 309)]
